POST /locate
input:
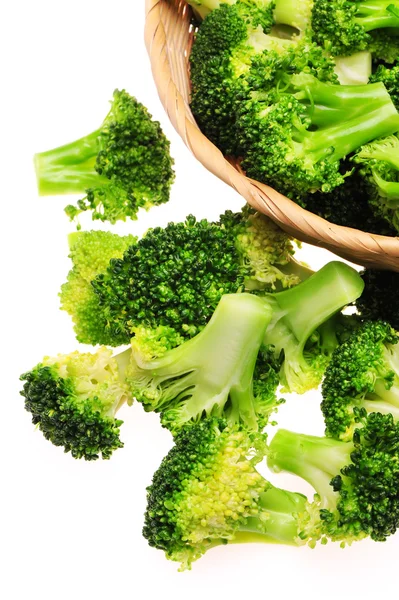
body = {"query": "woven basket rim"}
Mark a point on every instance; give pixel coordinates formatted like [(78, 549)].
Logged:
[(162, 36)]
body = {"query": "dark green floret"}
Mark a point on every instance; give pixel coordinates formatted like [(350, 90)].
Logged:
[(379, 300), (207, 492), (121, 167), (390, 78), (384, 45), (73, 400), (363, 374), (357, 482), (344, 26), (260, 12), (379, 166)]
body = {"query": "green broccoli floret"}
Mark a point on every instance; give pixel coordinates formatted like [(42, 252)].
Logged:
[(348, 205), (91, 252), (122, 166), (384, 45), (260, 12), (390, 78), (379, 165), (207, 372), (74, 398), (379, 300), (207, 492), (301, 330), (363, 374), (343, 26), (221, 56), (295, 130), (356, 482), (171, 281)]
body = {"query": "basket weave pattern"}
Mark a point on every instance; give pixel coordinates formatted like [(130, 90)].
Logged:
[(168, 37)]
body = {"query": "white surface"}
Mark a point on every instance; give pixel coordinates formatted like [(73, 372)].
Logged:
[(72, 529)]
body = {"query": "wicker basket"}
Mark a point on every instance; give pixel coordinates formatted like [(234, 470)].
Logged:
[(168, 38)]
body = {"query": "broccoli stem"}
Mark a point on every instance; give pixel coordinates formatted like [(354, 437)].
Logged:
[(373, 14), (317, 460), (278, 518), (293, 13), (69, 169)]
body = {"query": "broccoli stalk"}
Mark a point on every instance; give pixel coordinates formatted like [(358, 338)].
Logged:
[(211, 374), (356, 482), (120, 167), (296, 138), (299, 312), (354, 69), (294, 14)]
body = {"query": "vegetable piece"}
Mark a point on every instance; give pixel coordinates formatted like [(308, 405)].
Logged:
[(379, 300), (363, 374), (357, 482), (74, 398), (121, 167)]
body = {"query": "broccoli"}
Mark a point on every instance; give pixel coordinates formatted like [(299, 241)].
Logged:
[(363, 374), (356, 482), (348, 205), (295, 129), (379, 165), (120, 167), (294, 14), (260, 12), (91, 253), (384, 45), (379, 300), (173, 278), (221, 56), (390, 78), (74, 398), (207, 492), (176, 383), (355, 69), (344, 26)]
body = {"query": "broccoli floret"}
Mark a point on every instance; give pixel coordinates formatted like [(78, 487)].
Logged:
[(208, 492), (356, 482), (379, 300), (260, 12), (348, 205), (390, 78), (74, 398), (211, 374), (379, 165), (384, 45), (122, 166), (343, 26), (174, 277), (295, 133), (300, 330), (91, 253), (363, 374)]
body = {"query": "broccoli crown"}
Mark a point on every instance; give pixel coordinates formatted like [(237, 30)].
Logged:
[(73, 400), (175, 277), (379, 298), (356, 482), (379, 165), (294, 134), (221, 54), (90, 252), (259, 11), (213, 373), (121, 167), (361, 374), (204, 490), (343, 26), (348, 205), (390, 78), (384, 45)]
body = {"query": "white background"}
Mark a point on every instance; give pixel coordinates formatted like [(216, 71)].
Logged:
[(71, 529)]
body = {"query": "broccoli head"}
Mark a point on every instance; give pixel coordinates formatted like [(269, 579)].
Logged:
[(260, 12), (122, 166), (208, 492), (379, 298), (363, 374), (73, 400), (356, 482), (384, 45)]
